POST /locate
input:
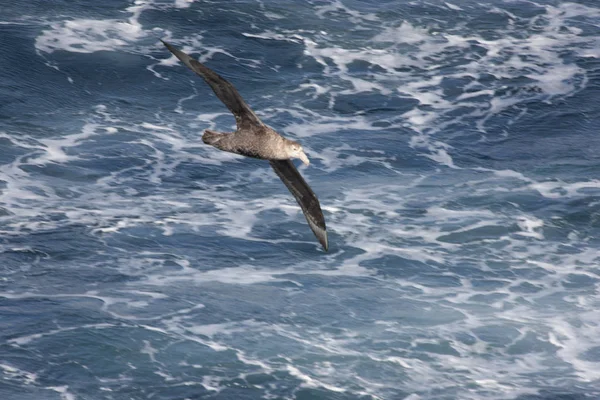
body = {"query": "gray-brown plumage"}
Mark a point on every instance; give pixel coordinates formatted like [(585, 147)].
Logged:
[(254, 139)]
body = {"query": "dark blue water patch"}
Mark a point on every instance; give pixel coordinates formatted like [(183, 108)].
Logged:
[(277, 56), (67, 173), (372, 103), (553, 303), (319, 103), (529, 271), (209, 19), (399, 267), (36, 10), (30, 90), (54, 241), (9, 152), (244, 75), (61, 261), (434, 280), (580, 282), (497, 335), (215, 28), (570, 213), (261, 303), (312, 71), (163, 96), (471, 269), (488, 284), (118, 78), (489, 298), (547, 135), (592, 354), (4, 211), (426, 316), (37, 315), (526, 288), (443, 348), (19, 391), (189, 176), (275, 227), (530, 343), (16, 260), (362, 68), (324, 394), (506, 203), (365, 171), (173, 391), (455, 86), (479, 234), (113, 353), (561, 394), (216, 23)]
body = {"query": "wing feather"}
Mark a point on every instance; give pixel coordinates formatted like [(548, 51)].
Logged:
[(224, 90), (305, 197)]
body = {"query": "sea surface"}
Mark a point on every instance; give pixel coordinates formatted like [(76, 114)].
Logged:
[(455, 149)]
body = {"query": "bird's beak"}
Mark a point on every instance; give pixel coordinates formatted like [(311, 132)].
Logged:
[(304, 159)]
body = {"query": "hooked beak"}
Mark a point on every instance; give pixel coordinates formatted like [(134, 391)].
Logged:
[(302, 156)]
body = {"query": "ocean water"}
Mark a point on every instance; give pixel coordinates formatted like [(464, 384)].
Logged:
[(455, 149)]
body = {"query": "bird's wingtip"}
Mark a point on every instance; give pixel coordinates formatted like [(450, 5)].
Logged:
[(321, 234), (167, 45), (325, 243)]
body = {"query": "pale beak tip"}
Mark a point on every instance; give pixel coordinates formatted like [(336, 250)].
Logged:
[(305, 160)]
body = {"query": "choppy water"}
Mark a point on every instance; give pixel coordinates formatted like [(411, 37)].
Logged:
[(455, 149)]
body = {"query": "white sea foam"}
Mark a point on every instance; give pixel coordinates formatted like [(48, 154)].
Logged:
[(227, 328), (312, 382), (234, 275), (90, 35), (183, 3), (12, 373), (337, 8), (562, 189), (64, 392), (405, 33)]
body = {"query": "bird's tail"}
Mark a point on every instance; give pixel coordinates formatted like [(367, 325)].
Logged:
[(211, 137)]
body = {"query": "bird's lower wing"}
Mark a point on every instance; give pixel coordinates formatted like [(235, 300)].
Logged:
[(306, 198), (224, 90)]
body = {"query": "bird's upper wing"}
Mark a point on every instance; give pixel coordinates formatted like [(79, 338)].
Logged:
[(222, 88), (306, 198)]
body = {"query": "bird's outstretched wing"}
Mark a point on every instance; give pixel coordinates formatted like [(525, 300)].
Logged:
[(306, 198), (222, 88)]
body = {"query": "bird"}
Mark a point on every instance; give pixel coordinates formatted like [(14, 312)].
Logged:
[(253, 138)]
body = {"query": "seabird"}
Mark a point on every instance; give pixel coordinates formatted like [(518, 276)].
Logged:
[(255, 139)]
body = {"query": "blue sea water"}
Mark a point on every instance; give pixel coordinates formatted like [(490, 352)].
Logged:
[(455, 149)]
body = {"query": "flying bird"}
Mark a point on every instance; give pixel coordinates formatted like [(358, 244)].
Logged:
[(255, 139)]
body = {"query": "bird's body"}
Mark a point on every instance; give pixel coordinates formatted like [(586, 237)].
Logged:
[(255, 139), (257, 142)]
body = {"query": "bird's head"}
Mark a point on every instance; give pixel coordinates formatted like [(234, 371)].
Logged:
[(295, 150)]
